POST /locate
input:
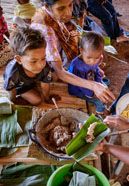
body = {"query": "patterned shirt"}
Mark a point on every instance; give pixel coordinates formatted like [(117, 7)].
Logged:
[(3, 28)]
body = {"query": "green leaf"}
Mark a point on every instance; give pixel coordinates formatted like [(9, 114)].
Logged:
[(8, 130), (79, 140), (89, 147), (28, 175)]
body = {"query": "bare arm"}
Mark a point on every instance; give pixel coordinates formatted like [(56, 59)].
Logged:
[(120, 152), (101, 91)]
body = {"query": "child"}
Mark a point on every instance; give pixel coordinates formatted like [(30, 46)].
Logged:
[(29, 66), (86, 66), (24, 12), (3, 27)]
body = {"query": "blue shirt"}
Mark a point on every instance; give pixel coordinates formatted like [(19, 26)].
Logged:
[(85, 71), (15, 77)]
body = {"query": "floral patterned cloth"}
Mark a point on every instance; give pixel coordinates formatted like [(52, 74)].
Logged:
[(57, 34), (3, 28)]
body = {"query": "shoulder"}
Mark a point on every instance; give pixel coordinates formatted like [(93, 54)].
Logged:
[(11, 68), (39, 16)]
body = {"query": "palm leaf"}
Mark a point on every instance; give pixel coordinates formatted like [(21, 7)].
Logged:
[(78, 147)]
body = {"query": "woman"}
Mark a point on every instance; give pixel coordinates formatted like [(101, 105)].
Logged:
[(53, 19)]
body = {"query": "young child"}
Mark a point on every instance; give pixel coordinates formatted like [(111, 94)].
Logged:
[(24, 12), (3, 27), (28, 68), (86, 66)]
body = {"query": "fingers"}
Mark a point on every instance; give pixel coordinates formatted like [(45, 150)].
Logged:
[(108, 96)]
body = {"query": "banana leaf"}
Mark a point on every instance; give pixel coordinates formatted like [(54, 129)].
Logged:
[(5, 106), (78, 147), (15, 127), (8, 130), (28, 175)]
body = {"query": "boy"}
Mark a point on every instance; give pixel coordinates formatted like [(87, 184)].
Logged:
[(86, 66), (23, 13), (29, 66)]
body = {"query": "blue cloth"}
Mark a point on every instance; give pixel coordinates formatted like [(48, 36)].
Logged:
[(85, 71), (100, 107), (89, 72), (107, 14), (124, 90), (15, 77)]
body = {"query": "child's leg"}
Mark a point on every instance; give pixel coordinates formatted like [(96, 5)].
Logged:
[(100, 107), (32, 96), (45, 89)]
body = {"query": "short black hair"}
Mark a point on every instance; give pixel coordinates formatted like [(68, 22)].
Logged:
[(92, 40), (49, 2), (26, 38)]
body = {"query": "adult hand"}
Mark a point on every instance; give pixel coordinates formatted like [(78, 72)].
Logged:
[(102, 146), (117, 122), (103, 93)]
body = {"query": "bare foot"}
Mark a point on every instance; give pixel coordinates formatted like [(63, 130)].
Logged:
[(122, 38)]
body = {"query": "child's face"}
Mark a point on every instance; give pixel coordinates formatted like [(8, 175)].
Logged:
[(33, 61), (92, 57)]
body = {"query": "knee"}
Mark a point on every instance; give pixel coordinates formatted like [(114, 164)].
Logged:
[(36, 101)]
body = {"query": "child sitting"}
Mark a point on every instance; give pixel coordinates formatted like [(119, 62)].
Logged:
[(86, 66), (24, 12), (28, 68), (3, 27)]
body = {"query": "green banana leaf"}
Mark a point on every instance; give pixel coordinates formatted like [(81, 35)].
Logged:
[(8, 130), (78, 148), (14, 129), (28, 175), (88, 148)]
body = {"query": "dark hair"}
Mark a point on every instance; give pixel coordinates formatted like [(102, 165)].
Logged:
[(79, 7), (23, 39), (92, 40), (23, 1), (49, 2)]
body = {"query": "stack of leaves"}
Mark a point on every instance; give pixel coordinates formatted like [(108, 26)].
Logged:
[(78, 147), (14, 129), (9, 128), (28, 175)]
